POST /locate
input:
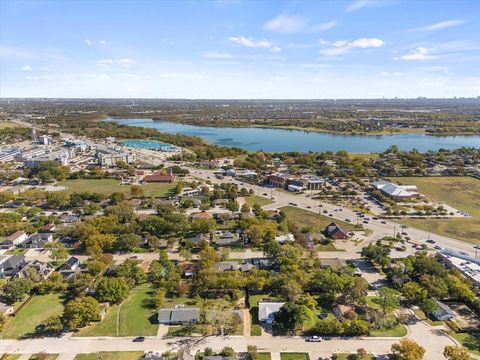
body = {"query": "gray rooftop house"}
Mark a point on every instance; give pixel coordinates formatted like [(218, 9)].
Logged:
[(443, 312), (179, 316), (12, 265), (267, 311), (38, 240)]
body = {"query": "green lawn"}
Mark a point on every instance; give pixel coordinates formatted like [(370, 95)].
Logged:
[(371, 302), (106, 327), (108, 186), (10, 356), (317, 222), (49, 357), (264, 356), (397, 331), (294, 356), (463, 193), (185, 330), (35, 313), (111, 355), (260, 200), (255, 330), (135, 317), (328, 247), (469, 340)]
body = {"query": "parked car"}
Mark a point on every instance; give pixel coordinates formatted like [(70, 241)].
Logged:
[(313, 339)]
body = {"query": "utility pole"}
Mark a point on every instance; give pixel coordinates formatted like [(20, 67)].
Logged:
[(394, 228)]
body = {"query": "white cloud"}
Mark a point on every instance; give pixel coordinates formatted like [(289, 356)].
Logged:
[(103, 42), (359, 4), (26, 67), (88, 42), (252, 43), (340, 47), (323, 26), (285, 24), (122, 62), (41, 77), (418, 54), (389, 74), (441, 25), (216, 55)]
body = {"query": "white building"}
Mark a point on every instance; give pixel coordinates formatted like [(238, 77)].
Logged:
[(8, 154), (60, 156), (397, 192), (267, 311), (45, 140), (110, 156)]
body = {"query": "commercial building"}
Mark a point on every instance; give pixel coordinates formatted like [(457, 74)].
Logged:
[(467, 265), (397, 192), (45, 140), (60, 156), (111, 156), (296, 183), (158, 177), (8, 154)]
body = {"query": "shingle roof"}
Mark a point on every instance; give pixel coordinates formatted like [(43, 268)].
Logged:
[(178, 315)]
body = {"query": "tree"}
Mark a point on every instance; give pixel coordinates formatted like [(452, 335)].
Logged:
[(245, 208), (16, 289), (81, 311), (57, 250), (414, 293), (136, 191), (53, 325), (388, 299), (124, 212), (407, 350), (227, 351), (252, 352), (113, 290), (127, 242), (96, 267), (429, 306), (133, 273), (456, 353), (3, 320), (159, 299)]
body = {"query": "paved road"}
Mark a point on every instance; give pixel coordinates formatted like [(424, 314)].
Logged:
[(433, 340)]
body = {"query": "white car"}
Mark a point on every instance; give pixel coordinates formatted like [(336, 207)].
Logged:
[(313, 339)]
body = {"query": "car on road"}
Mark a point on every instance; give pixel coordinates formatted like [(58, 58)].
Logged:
[(375, 218), (331, 215), (436, 247), (430, 241), (476, 247), (309, 207), (325, 211), (139, 339), (463, 253), (348, 220), (265, 194), (313, 339), (293, 204), (404, 226), (384, 222), (365, 221)]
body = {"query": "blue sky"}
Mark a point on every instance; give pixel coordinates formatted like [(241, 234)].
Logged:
[(240, 49)]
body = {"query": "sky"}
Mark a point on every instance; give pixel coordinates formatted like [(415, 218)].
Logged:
[(240, 49)]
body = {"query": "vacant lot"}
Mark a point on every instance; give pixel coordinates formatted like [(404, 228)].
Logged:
[(254, 199), (35, 313), (134, 317), (8, 124), (317, 222), (112, 355), (108, 186), (462, 193)]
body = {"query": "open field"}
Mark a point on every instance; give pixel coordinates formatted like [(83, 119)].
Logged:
[(44, 357), (108, 186), (35, 313), (134, 317), (462, 193), (112, 355), (397, 331), (9, 124), (317, 222), (254, 199)]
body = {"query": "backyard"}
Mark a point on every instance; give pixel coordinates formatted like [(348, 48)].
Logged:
[(33, 314), (108, 186), (463, 193), (134, 317)]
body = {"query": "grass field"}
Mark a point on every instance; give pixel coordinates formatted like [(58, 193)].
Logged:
[(8, 124), (35, 313), (48, 357), (462, 193), (397, 331), (10, 356), (108, 186), (112, 355), (317, 222), (344, 356), (134, 317), (264, 356), (254, 199), (294, 356)]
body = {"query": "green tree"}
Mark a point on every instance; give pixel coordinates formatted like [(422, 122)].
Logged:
[(16, 289), (57, 250), (127, 242), (414, 293), (53, 325), (136, 191), (113, 290), (388, 299), (227, 351), (96, 267), (81, 311)]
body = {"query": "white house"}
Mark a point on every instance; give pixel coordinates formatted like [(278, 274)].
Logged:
[(267, 311)]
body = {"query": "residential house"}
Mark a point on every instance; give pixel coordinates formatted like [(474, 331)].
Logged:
[(334, 264), (11, 265), (17, 238), (285, 238), (71, 264), (49, 228), (41, 268), (267, 311), (200, 215), (181, 316), (228, 239), (38, 240), (335, 232), (198, 239), (443, 312)]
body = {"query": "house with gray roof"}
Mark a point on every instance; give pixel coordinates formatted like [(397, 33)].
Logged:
[(38, 240), (443, 312), (179, 316), (11, 265), (267, 311)]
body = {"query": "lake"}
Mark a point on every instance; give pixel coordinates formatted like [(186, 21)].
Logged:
[(281, 140)]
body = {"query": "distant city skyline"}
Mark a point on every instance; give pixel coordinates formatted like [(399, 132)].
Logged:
[(240, 49)]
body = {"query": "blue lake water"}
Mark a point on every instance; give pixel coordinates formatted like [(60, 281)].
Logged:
[(280, 140)]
